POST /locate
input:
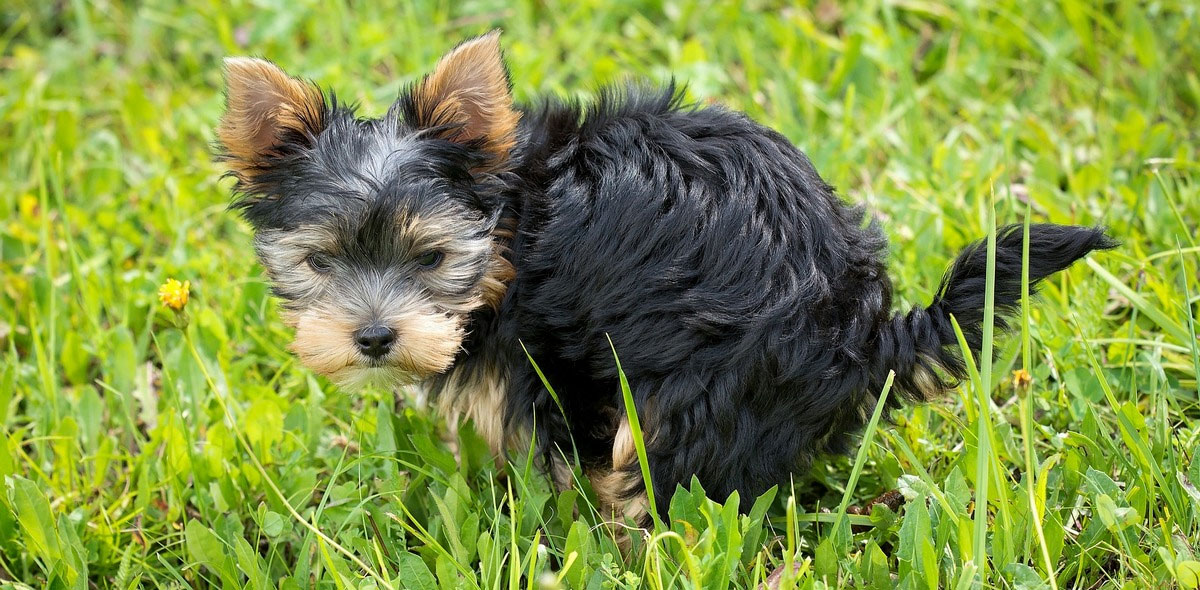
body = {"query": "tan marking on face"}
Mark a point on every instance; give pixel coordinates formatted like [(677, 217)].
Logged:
[(426, 344), (428, 232), (263, 102), (469, 88), (865, 408), (426, 341), (441, 233), (322, 341)]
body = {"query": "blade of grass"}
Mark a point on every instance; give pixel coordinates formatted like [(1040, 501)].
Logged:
[(545, 382), (983, 393), (1191, 317), (635, 428), (923, 473), (574, 459), (1171, 327), (860, 458), (1183, 225), (1035, 510)]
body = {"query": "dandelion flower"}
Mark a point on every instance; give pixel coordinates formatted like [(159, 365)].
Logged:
[(174, 294), (1022, 379)]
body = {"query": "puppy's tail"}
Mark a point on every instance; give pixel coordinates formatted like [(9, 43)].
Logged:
[(917, 344)]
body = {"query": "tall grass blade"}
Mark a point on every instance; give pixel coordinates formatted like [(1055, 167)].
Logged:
[(635, 428)]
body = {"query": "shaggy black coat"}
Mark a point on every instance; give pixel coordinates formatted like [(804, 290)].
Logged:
[(749, 306)]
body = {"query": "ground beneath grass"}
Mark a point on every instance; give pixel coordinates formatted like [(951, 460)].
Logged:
[(144, 447)]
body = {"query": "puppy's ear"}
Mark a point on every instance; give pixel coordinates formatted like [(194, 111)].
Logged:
[(266, 112), (469, 97)]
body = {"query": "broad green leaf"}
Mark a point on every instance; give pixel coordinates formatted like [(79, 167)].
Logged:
[(413, 574), (1101, 483), (437, 456), (207, 548), (579, 543), (915, 553), (273, 524), (825, 561), (34, 515), (251, 564), (1115, 517), (876, 570), (1187, 573), (1024, 577)]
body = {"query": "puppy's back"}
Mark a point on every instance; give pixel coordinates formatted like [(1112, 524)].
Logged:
[(692, 227)]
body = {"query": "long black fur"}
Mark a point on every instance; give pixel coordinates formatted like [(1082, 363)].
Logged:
[(749, 305)]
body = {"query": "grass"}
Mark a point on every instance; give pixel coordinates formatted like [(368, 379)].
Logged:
[(143, 447)]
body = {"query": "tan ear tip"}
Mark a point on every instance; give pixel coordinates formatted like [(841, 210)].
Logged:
[(234, 62), (253, 66), (236, 67), (490, 39)]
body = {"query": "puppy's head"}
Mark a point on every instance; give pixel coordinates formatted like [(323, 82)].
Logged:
[(378, 234)]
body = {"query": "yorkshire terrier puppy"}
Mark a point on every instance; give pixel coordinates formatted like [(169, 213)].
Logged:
[(750, 307)]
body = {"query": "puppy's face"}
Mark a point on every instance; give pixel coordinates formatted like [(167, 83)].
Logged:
[(381, 283), (377, 234)]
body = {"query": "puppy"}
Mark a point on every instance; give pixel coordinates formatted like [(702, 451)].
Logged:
[(749, 306)]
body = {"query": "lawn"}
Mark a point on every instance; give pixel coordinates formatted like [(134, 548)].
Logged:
[(143, 447)]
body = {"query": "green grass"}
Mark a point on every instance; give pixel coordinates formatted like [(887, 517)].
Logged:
[(144, 448)]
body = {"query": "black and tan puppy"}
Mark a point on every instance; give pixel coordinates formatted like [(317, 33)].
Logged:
[(749, 306)]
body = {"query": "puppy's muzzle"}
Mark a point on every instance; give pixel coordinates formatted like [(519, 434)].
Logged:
[(374, 341)]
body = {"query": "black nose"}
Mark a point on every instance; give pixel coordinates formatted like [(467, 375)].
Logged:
[(374, 341)]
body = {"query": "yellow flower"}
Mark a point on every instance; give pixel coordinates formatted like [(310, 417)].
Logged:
[(1022, 379), (174, 294)]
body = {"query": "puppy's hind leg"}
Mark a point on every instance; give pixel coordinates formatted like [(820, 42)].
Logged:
[(701, 425), (620, 489), (621, 492)]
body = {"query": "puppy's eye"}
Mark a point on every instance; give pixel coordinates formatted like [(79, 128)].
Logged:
[(319, 262), (429, 259)]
